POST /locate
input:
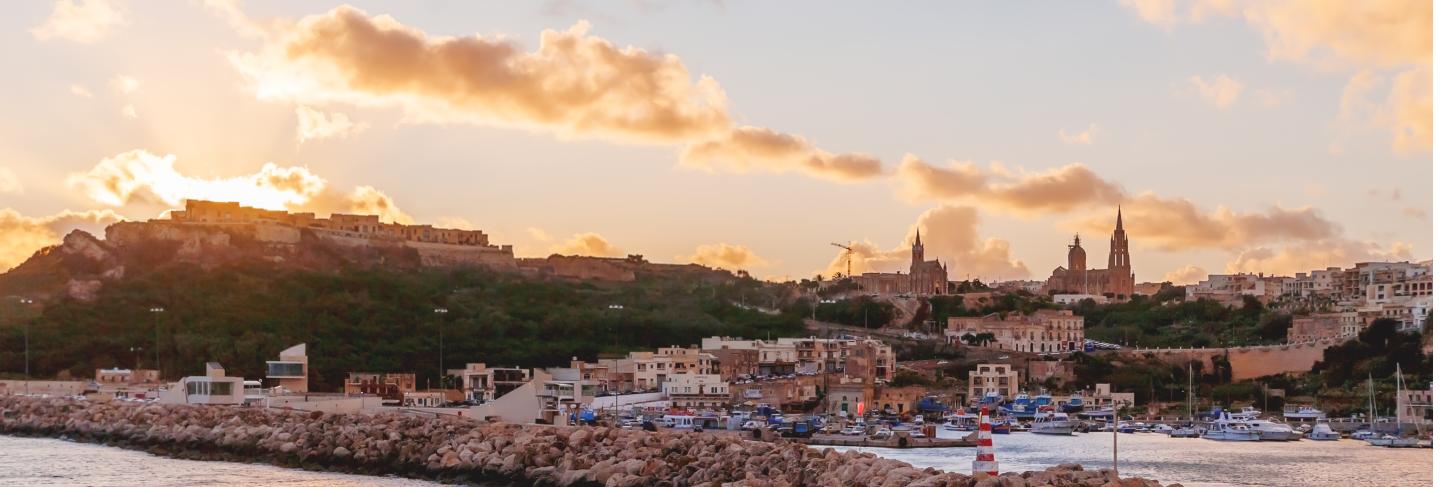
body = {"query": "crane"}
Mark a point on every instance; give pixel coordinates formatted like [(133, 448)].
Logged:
[(848, 252)]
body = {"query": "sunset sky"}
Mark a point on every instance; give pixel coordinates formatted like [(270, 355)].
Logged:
[(1267, 136)]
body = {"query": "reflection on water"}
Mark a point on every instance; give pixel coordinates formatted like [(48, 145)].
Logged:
[(32, 462), (1192, 461)]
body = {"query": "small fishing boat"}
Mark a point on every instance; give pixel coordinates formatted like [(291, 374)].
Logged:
[(1053, 424), (1000, 428)]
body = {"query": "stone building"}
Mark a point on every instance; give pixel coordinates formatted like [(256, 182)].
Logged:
[(999, 379), (1045, 331), (1116, 279), (926, 277)]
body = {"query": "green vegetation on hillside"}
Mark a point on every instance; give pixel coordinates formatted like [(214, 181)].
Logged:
[(1167, 320), (374, 319)]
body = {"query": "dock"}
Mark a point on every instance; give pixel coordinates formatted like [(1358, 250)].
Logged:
[(896, 441)]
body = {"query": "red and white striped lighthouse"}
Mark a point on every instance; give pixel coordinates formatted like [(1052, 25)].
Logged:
[(985, 449)]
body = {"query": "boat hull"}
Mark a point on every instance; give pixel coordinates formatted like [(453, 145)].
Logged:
[(1232, 436), (1056, 429)]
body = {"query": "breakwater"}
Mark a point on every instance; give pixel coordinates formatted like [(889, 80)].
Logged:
[(460, 450)]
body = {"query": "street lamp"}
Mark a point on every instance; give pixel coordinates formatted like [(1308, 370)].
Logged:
[(136, 351), (156, 311), (440, 312)]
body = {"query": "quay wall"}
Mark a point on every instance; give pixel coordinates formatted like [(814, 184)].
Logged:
[(459, 450)]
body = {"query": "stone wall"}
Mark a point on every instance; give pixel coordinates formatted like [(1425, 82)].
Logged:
[(1247, 362), (465, 451)]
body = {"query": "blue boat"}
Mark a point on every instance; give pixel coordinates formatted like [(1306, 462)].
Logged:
[(1021, 407), (1000, 428), (1074, 405)]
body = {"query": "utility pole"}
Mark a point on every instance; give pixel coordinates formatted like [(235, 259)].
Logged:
[(440, 322), (156, 311)]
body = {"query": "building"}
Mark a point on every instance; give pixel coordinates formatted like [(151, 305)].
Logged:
[(291, 373), (1231, 289), (848, 398), (563, 392), (832, 355), (212, 388), (1116, 279), (484, 384), (926, 277), (118, 376), (898, 400), (697, 391), (1414, 406), (997, 379), (1065, 299), (390, 387), (1323, 326), (1045, 331)]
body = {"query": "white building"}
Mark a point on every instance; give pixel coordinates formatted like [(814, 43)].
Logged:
[(291, 373), (697, 391), (212, 388)]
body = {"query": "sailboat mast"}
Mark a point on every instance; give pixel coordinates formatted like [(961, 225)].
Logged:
[(1370, 384)]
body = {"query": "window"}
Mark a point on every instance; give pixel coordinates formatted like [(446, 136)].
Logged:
[(285, 369)]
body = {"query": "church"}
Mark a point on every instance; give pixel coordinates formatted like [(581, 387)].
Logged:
[(926, 277), (1115, 280)]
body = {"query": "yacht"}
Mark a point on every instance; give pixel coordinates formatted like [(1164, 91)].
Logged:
[(1303, 413), (1226, 429), (1322, 432), (1052, 424), (1272, 431)]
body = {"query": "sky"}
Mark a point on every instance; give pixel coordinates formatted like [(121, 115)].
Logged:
[(1272, 136)]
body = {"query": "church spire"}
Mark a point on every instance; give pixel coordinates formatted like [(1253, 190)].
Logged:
[(1119, 223)]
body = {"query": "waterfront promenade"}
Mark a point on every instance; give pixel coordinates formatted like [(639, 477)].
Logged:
[(453, 449)]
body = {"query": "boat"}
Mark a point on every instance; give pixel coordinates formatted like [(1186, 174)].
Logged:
[(1103, 412), (1053, 424), (1000, 428), (1127, 428), (1302, 413), (1362, 435), (1392, 441), (1074, 405), (1044, 403), (1161, 428), (1246, 413), (1226, 429), (1272, 431), (1185, 432), (961, 422), (1021, 407), (1322, 432)]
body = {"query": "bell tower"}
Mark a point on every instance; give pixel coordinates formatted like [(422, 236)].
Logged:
[(1119, 245)]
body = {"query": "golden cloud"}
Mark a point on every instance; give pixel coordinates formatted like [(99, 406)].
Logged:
[(573, 85), (589, 245), (1056, 190), (138, 175), (21, 236), (725, 256), (84, 22), (951, 235), (1315, 255), (1189, 274), (312, 124), (1177, 224), (758, 147)]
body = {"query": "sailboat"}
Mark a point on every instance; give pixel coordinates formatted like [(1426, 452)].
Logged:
[(1398, 440), (1188, 430)]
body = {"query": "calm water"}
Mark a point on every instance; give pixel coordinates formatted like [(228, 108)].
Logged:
[(1195, 462), (34, 462)]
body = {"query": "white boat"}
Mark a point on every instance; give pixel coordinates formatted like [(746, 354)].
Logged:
[(1226, 429), (1322, 432), (1393, 441), (1053, 424), (1303, 413), (1185, 432), (961, 422), (1272, 431), (1362, 435), (1246, 413), (1161, 428)]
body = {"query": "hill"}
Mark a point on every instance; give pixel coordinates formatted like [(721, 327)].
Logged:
[(239, 301)]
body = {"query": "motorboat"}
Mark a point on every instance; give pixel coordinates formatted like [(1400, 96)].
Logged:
[(1272, 431), (1362, 435), (1184, 432), (961, 422), (1393, 441), (1322, 432), (1246, 413), (1021, 407), (1126, 428), (1104, 412), (1053, 424), (1226, 429), (1000, 428), (1303, 413), (1161, 428)]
